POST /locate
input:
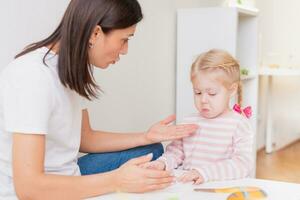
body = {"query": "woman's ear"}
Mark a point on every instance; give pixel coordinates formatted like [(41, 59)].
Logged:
[(97, 32)]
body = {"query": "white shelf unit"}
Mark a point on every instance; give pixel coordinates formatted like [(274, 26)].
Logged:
[(231, 29)]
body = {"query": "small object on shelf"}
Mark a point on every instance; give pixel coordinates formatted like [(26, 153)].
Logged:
[(273, 66), (244, 72), (273, 60), (244, 4)]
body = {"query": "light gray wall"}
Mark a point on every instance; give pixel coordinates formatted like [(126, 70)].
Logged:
[(23, 22)]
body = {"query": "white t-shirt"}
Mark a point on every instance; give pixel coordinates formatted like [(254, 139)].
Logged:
[(33, 101)]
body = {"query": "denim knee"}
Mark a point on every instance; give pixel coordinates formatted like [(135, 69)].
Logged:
[(157, 150)]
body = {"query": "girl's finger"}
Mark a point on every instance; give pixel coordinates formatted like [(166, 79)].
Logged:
[(198, 181)]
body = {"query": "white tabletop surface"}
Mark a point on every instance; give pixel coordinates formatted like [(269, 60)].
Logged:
[(274, 189)]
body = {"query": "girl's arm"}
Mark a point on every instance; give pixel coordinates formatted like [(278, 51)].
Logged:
[(32, 183), (100, 141), (174, 155)]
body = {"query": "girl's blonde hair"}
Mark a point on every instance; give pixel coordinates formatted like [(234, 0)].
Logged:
[(219, 60)]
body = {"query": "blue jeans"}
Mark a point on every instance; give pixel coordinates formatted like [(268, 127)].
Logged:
[(103, 162)]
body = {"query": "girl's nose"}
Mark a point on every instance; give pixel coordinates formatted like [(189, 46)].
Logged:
[(204, 98)]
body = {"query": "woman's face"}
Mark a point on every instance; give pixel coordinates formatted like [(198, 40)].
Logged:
[(106, 48)]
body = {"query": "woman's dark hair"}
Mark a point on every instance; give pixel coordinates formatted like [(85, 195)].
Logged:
[(73, 34)]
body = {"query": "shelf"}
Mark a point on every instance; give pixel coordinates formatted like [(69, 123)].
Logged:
[(266, 71), (248, 77), (247, 12)]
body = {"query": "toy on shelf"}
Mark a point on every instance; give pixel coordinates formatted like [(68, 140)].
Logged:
[(244, 72), (238, 193), (236, 3)]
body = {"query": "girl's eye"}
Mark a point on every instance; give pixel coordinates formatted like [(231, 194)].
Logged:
[(212, 94), (197, 93)]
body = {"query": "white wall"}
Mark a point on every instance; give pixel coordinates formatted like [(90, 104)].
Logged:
[(280, 31), (23, 22)]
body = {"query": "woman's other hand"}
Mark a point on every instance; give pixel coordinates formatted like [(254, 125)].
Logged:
[(131, 177), (163, 131), (157, 164)]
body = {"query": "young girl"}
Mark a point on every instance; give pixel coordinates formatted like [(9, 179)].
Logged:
[(222, 147)]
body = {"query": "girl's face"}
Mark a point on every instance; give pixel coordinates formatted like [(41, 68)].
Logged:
[(210, 95), (106, 48)]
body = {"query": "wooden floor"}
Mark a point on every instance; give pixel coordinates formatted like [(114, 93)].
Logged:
[(282, 165)]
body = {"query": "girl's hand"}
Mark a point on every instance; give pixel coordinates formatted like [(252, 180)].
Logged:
[(157, 164), (130, 177), (192, 175), (162, 131)]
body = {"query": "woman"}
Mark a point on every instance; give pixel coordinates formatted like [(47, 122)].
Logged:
[(43, 125)]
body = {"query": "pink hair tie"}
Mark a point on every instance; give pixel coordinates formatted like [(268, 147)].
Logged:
[(246, 111)]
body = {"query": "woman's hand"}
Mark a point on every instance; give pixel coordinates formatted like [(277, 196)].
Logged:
[(192, 175), (131, 177), (157, 164), (162, 131)]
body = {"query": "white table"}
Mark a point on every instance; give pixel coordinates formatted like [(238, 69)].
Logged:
[(275, 191), (270, 73)]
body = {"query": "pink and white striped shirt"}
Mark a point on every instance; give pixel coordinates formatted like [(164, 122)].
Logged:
[(221, 149)]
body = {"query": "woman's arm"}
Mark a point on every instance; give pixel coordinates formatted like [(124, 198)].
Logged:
[(32, 183), (100, 141)]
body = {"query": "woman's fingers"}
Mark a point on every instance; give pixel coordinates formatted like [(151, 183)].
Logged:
[(186, 177), (140, 160), (186, 128), (180, 178), (158, 181), (198, 181), (178, 137), (134, 178), (181, 131), (169, 119), (158, 165), (152, 173)]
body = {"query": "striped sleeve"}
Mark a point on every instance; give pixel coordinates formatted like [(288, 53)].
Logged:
[(241, 162), (174, 155)]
